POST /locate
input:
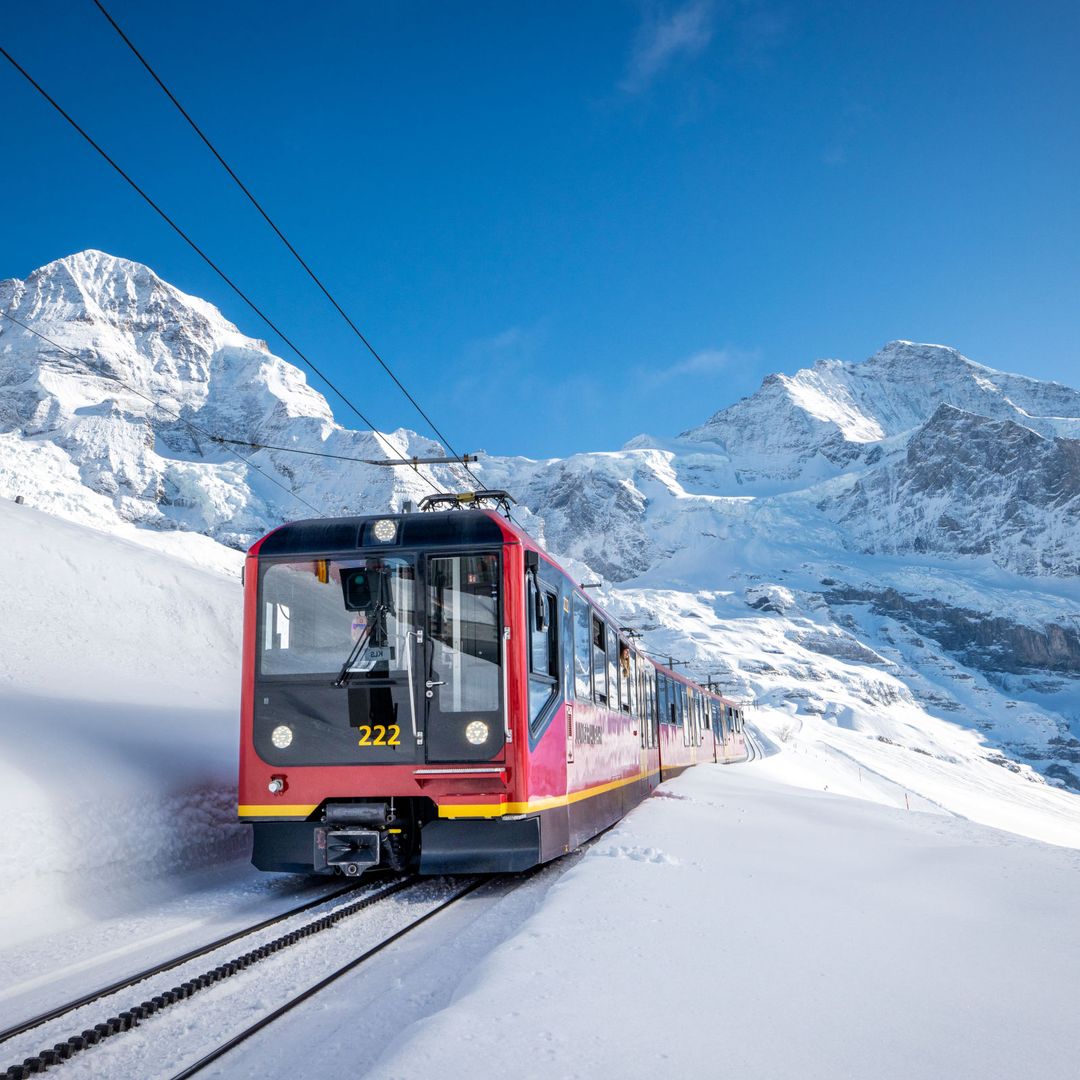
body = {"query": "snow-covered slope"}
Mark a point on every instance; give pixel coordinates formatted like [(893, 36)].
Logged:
[(883, 555), (119, 696)]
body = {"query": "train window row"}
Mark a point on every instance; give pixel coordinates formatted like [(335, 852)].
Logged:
[(610, 673)]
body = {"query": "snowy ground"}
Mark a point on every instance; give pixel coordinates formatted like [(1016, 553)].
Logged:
[(736, 926), (845, 907)]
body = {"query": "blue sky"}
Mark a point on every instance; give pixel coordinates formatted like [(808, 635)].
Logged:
[(567, 223)]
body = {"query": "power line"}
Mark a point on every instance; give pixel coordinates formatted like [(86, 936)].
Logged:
[(157, 404), (281, 236), (413, 462), (202, 254)]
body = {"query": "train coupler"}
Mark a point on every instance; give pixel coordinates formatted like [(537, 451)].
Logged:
[(350, 850)]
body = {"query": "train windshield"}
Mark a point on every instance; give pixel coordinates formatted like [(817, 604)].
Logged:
[(350, 618)]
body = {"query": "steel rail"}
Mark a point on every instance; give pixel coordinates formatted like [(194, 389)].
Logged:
[(129, 1018), (168, 965), (321, 985)]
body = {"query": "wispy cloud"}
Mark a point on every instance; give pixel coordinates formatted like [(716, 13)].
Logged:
[(703, 365), (664, 37)]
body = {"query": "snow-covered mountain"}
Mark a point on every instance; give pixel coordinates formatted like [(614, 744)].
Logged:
[(72, 427), (883, 554)]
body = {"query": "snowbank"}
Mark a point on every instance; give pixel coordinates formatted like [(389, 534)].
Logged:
[(119, 688)]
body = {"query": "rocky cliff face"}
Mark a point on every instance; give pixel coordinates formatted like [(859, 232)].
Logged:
[(899, 535), (969, 485)]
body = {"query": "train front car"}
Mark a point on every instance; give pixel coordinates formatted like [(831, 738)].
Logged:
[(377, 688)]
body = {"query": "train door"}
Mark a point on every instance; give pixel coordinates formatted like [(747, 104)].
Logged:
[(652, 707), (463, 667)]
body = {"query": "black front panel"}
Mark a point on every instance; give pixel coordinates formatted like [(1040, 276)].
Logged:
[(330, 725)]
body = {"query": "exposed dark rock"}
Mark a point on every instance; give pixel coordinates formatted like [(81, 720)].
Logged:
[(980, 640)]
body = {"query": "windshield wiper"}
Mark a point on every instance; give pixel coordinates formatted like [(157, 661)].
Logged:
[(361, 645)]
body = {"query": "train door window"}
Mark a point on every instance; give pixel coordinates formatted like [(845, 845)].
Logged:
[(684, 711), (543, 650), (464, 631), (613, 668), (599, 666), (582, 649)]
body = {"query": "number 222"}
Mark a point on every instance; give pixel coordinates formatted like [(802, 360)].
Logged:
[(384, 735)]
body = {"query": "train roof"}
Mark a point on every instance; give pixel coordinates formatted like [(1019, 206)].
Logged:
[(327, 536)]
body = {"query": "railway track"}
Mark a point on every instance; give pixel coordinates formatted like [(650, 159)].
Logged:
[(121, 1020), (168, 965), (754, 751)]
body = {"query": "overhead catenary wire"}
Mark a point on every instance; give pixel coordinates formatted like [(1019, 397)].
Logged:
[(202, 254), (281, 235), (165, 409)]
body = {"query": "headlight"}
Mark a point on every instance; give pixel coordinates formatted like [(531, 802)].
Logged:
[(385, 530), (477, 732), (281, 736)]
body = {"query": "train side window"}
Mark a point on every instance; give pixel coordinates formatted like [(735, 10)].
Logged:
[(543, 651), (626, 677), (542, 633), (613, 668), (582, 649), (599, 666)]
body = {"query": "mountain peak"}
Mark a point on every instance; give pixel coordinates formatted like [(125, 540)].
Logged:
[(821, 419), (922, 355)]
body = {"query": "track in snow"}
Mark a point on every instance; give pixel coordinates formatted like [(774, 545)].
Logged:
[(126, 1019), (168, 965)]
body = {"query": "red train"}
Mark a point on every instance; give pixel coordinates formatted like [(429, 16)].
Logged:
[(431, 691)]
